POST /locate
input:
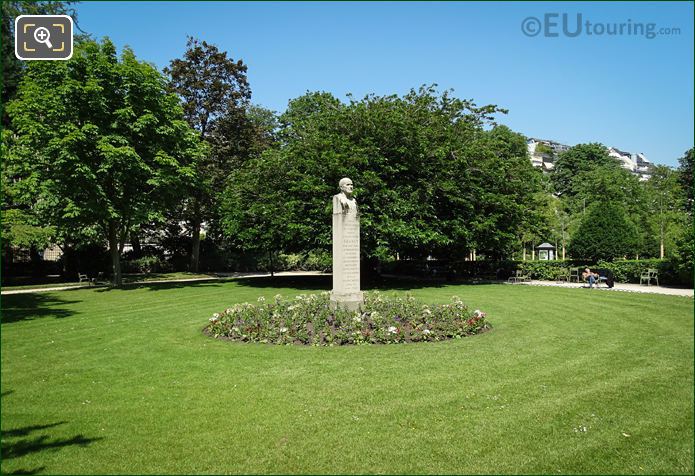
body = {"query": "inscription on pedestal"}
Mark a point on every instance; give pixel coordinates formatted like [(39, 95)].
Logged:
[(346, 249)]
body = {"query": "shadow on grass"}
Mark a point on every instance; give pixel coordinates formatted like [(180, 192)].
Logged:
[(299, 283), (12, 447), (160, 286), (136, 278), (28, 471), (324, 282), (30, 306)]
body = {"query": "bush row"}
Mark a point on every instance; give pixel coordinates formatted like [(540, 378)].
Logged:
[(309, 320), (624, 271)]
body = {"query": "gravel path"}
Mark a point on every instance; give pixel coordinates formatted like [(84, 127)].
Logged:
[(625, 287)]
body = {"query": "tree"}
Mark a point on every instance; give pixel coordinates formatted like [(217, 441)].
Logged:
[(212, 87), (430, 179), (507, 195), (101, 144), (664, 205), (684, 243), (256, 211), (605, 233), (614, 183), (575, 160)]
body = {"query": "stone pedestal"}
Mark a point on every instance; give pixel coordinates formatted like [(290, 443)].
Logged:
[(346, 255)]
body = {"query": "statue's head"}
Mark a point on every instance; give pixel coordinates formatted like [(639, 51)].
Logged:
[(346, 187)]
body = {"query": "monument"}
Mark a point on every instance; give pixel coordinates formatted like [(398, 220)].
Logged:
[(346, 250)]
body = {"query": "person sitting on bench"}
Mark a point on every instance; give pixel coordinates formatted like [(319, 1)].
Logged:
[(589, 276)]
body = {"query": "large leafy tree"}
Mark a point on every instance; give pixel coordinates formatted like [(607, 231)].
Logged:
[(430, 178), (215, 94), (20, 226), (100, 145), (685, 246), (664, 207), (578, 159)]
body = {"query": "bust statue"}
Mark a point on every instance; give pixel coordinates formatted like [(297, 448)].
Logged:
[(344, 202)]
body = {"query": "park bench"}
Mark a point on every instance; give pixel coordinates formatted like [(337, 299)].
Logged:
[(519, 277), (83, 277), (648, 276), (563, 276)]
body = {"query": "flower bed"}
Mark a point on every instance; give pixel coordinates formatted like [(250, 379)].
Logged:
[(309, 320)]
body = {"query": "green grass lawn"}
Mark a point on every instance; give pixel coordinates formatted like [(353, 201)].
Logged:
[(568, 381)]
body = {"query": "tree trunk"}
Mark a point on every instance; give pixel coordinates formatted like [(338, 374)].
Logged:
[(272, 265), (195, 246), (36, 261), (137, 247), (661, 241), (115, 254)]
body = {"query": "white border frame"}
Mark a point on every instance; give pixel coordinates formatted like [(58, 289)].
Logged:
[(72, 35)]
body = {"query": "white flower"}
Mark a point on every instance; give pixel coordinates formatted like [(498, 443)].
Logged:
[(283, 329), (357, 319), (427, 331), (261, 299), (392, 330), (478, 313)]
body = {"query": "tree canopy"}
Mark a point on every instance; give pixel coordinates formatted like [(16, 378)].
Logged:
[(434, 177), (99, 143), (605, 233), (215, 95)]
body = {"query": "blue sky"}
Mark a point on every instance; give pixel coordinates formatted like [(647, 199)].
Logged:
[(627, 91)]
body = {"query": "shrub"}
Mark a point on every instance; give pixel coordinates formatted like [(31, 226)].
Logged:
[(309, 320), (548, 270), (146, 264), (605, 233), (629, 271), (314, 260)]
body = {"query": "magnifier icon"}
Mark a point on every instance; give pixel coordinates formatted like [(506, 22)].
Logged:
[(42, 35)]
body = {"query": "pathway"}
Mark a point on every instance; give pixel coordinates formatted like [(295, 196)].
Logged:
[(626, 287)]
